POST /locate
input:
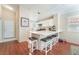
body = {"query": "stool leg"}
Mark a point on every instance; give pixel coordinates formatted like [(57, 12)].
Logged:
[(29, 45), (45, 52), (30, 52), (37, 45), (45, 49), (50, 46)]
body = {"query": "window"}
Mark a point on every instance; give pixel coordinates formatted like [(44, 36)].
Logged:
[(73, 24)]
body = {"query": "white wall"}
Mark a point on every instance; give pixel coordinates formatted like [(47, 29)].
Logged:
[(72, 37), (23, 31)]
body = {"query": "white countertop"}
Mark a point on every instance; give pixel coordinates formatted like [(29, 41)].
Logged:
[(44, 33)]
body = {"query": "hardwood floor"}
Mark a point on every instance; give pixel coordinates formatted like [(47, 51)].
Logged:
[(58, 49), (15, 48)]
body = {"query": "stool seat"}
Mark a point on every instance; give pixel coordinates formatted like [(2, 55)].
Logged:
[(33, 38), (46, 39)]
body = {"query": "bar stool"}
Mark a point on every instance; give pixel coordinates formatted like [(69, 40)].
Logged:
[(54, 39), (33, 45), (46, 45)]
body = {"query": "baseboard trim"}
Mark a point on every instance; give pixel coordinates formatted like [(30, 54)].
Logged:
[(7, 40), (22, 41), (72, 43)]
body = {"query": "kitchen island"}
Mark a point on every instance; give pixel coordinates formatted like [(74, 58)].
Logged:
[(46, 39), (44, 33)]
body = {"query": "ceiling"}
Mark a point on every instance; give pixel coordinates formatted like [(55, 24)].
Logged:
[(47, 10)]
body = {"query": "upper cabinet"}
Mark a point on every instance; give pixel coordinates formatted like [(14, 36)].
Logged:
[(48, 22)]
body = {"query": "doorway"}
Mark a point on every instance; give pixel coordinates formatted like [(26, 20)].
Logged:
[(9, 24)]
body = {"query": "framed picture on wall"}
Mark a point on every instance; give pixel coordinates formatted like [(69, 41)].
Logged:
[(24, 22)]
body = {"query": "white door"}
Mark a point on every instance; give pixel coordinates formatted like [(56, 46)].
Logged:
[(8, 17)]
